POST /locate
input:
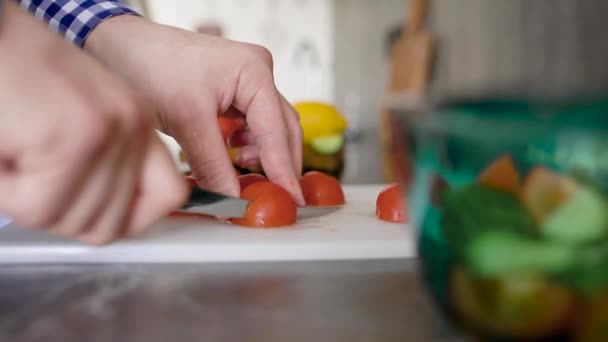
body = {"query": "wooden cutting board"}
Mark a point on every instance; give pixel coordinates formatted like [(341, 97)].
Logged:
[(353, 232)]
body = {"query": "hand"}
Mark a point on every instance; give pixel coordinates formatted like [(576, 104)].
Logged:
[(78, 152), (193, 77)]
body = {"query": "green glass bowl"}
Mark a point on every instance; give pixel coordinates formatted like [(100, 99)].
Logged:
[(509, 200)]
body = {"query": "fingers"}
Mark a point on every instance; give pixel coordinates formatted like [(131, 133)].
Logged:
[(264, 110), (42, 187), (295, 135), (248, 156), (160, 188), (108, 225), (200, 137), (91, 201)]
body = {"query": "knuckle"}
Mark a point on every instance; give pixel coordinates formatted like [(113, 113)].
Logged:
[(207, 172), (96, 131), (263, 54), (131, 119)]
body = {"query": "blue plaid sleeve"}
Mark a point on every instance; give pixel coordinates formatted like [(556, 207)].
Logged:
[(75, 19)]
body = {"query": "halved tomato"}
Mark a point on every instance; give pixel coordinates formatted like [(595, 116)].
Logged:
[(270, 206), (390, 205), (229, 126), (248, 179), (191, 181), (320, 189)]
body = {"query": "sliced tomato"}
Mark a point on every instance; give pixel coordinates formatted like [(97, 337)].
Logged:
[(501, 174), (229, 126), (390, 205), (270, 206), (251, 178), (191, 181), (321, 189)]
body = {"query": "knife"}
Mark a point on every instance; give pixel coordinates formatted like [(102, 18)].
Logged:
[(211, 203)]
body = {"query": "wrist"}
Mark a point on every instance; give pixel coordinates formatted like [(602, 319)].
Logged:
[(112, 34)]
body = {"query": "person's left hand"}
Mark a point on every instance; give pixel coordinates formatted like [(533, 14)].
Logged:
[(193, 78)]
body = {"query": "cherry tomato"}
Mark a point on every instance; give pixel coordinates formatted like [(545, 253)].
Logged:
[(270, 206), (248, 179), (390, 205), (229, 126), (191, 181), (321, 189)]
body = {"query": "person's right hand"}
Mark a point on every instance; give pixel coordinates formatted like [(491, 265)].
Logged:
[(78, 153)]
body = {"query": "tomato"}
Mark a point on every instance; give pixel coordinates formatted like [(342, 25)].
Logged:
[(229, 126), (321, 189), (248, 179), (501, 175), (191, 181), (390, 205), (270, 206)]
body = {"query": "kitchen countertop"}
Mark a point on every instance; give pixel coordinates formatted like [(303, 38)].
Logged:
[(375, 301)]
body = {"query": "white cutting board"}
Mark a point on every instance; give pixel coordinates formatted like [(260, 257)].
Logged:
[(353, 232)]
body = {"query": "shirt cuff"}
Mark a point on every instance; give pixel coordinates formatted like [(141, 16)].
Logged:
[(76, 19)]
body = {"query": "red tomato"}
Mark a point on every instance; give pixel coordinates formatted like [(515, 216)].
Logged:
[(321, 190), (270, 206), (229, 126), (390, 205), (191, 181), (248, 179)]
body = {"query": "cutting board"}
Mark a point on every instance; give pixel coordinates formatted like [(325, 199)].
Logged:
[(353, 232)]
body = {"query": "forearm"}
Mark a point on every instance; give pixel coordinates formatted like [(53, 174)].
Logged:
[(75, 19)]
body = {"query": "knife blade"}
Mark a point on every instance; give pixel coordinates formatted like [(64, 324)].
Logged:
[(202, 201)]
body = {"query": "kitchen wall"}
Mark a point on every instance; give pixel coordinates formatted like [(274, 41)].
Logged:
[(299, 33), (361, 30)]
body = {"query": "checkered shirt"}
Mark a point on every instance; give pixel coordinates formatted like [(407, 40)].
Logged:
[(75, 19)]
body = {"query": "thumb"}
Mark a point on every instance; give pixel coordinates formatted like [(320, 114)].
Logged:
[(161, 187)]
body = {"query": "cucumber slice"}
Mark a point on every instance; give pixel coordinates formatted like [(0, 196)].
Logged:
[(582, 219), (501, 253), (328, 144)]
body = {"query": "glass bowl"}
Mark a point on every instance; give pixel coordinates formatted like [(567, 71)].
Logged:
[(509, 201)]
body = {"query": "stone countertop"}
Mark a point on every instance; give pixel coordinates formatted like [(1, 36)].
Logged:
[(372, 301)]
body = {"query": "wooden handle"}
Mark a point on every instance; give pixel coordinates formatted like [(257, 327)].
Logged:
[(415, 16)]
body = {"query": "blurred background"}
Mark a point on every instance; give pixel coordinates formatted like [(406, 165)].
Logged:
[(334, 52), (344, 63)]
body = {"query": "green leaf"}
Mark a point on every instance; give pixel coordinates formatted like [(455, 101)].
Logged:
[(474, 209)]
